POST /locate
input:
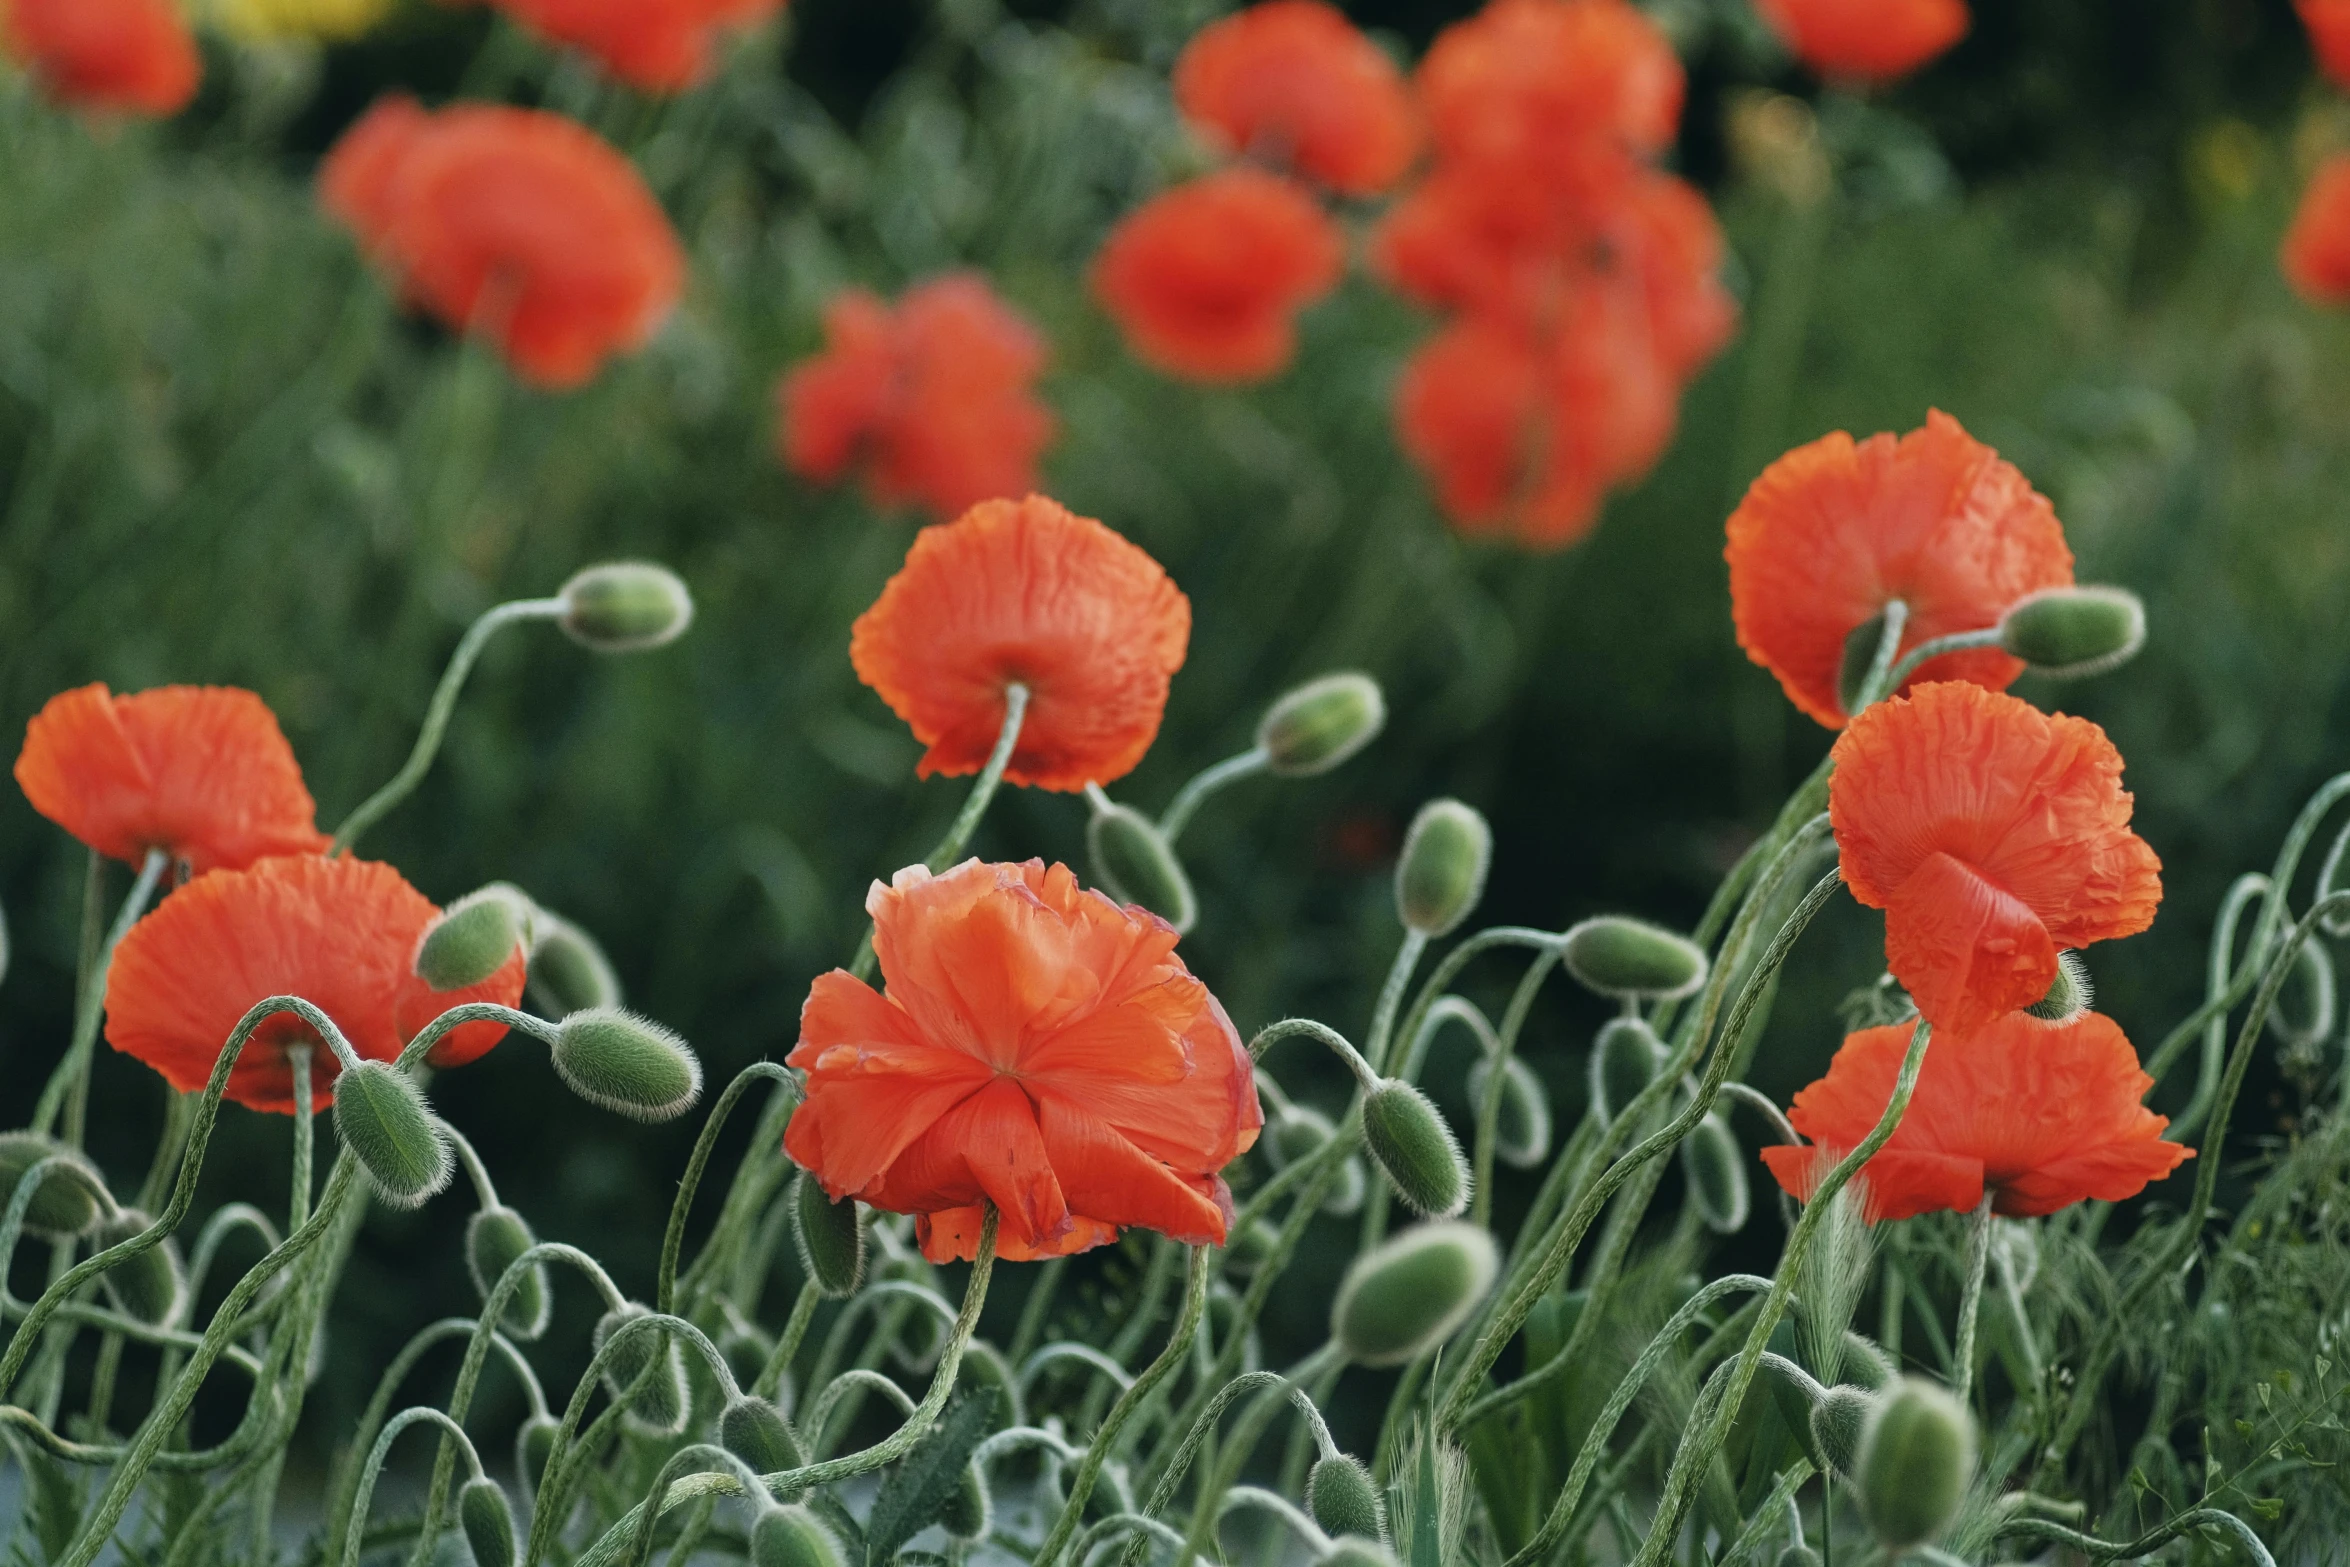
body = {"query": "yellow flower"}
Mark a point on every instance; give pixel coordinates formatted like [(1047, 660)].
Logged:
[(328, 20)]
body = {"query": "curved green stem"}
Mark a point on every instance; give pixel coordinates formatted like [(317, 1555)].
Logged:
[(673, 1238), (1205, 783), (365, 1499), (1970, 1302), (966, 822), (68, 1088), (2130, 1550)]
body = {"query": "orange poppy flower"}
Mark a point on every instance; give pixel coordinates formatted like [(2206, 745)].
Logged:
[(1024, 591), (658, 45), (514, 222), (1868, 40), (201, 772), (1297, 84), (1206, 280), (936, 399), (2316, 252), (1993, 836), (1556, 86), (1834, 531), (2328, 22), (338, 933), (132, 56), (1038, 1048), (2038, 1116)]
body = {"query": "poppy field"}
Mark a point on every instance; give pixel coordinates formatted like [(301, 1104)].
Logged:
[(1424, 783)]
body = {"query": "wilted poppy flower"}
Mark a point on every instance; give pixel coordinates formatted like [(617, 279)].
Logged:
[(330, 20), (338, 933), (1206, 280), (1038, 1048), (1025, 592), (2328, 22), (132, 56), (1554, 86), (1834, 531), (1295, 83), (1993, 836), (200, 772), (1867, 40), (2316, 254), (658, 45), (2038, 1116), (936, 399)]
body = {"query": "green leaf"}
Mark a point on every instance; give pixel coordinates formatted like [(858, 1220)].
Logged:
[(917, 1490)]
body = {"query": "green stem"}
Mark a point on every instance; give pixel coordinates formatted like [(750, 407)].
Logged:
[(1399, 975), (2131, 1550), (673, 1238), (950, 848), (1970, 1303), (298, 1211), (68, 1088), (787, 1346), (1203, 784), (420, 1415)]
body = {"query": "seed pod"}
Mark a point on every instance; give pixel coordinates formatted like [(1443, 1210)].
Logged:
[(968, 1511), (151, 1286), (1136, 864), (1837, 1423), (67, 1202), (568, 971), (660, 1406), (381, 1117), (755, 1431), (1321, 724), (1442, 872), (1625, 1059), (473, 938), (1715, 1168), (488, 1523), (1354, 1551), (2069, 994), (1343, 1498), (1917, 1458), (534, 1444), (2074, 632), (626, 606), (1411, 1294), (1521, 1133), (1416, 1150), (831, 1236), (495, 1239), (627, 1064), (1629, 959), (792, 1537)]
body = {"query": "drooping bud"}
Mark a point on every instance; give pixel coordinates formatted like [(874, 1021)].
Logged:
[(1412, 1293), (534, 1444), (1135, 863), (1625, 1059), (66, 1203), (568, 971), (1629, 959), (831, 1236), (1442, 872), (1837, 1423), (2069, 995), (1715, 1167), (488, 1523), (1343, 1498), (1321, 724), (627, 1064), (660, 1406), (1917, 1459), (2074, 632), (381, 1117), (1795, 1395), (1521, 1132), (755, 1431), (968, 1511), (792, 1537), (495, 1239), (152, 1285), (474, 938), (626, 606), (1416, 1150), (1799, 1556), (1353, 1550)]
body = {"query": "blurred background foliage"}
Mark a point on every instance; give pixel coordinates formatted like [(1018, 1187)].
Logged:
[(225, 456)]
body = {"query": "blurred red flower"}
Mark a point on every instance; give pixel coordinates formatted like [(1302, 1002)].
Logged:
[(2328, 22), (201, 772), (1207, 279), (1026, 592), (658, 45), (1556, 86), (132, 56), (2039, 1116), (1868, 40), (1834, 531), (1293, 82), (935, 399), (1993, 836), (1038, 1048), (338, 933), (2316, 252)]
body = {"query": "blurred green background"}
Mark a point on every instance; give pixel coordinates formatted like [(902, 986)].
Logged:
[(225, 457)]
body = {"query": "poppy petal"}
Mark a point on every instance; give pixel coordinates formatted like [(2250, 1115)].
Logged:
[(1896, 1184), (1106, 1177), (1965, 950), (952, 1235), (988, 1146), (875, 1083)]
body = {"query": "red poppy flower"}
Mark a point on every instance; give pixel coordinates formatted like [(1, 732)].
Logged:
[(1868, 40), (2039, 1116), (1297, 84), (658, 45), (514, 222), (1024, 591), (1207, 279), (1993, 836), (2316, 253), (201, 772), (936, 398), (1038, 1048), (1557, 86), (2328, 22), (1834, 531), (338, 933), (132, 56)]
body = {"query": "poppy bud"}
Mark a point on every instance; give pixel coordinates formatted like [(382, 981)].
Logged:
[(495, 1239), (1442, 873), (152, 1286), (1917, 1458), (2069, 994), (968, 1511), (1416, 1149), (2074, 632), (1343, 1498), (534, 1444), (1837, 1422), (381, 1117), (474, 938), (1321, 724), (791, 1537), (1400, 1301), (1355, 1551), (488, 1523), (1521, 1133), (626, 1064), (755, 1431), (1624, 1061), (1799, 1556), (1624, 958), (660, 1407), (1795, 1395), (568, 971), (67, 1202), (1136, 864), (831, 1236), (626, 606), (1715, 1167)]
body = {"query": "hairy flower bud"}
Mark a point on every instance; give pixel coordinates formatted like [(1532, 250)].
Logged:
[(1799, 1556), (1343, 1499), (658, 1407), (626, 606), (1715, 1167), (627, 1064), (792, 1537), (495, 1239), (968, 1512), (1321, 724), (1353, 1550), (568, 971), (534, 1444), (2074, 632), (1412, 1293), (754, 1430), (1136, 864), (151, 1286), (1521, 1132), (67, 1201), (1415, 1149), (488, 1523), (1837, 1423), (831, 1236), (1442, 872), (1625, 1059), (2069, 995), (381, 1117), (474, 938), (1917, 1458), (1624, 958)]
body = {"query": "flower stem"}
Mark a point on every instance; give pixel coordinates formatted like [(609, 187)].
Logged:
[(68, 1088), (305, 1118), (1970, 1304), (1206, 783), (950, 848)]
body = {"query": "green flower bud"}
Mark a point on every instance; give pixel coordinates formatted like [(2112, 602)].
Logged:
[(968, 1511), (1837, 1423), (1343, 1499), (1521, 1133), (831, 1236), (1411, 1294), (474, 938), (1354, 1551), (381, 1117), (568, 971), (534, 1445), (755, 1431), (745, 1351), (1411, 1143), (626, 606), (1321, 724), (151, 1286), (1625, 1059), (1917, 1458), (792, 1537), (2074, 632), (495, 1239), (1136, 864), (1624, 958), (1799, 1556), (1715, 1167), (67, 1202), (627, 1064), (660, 1406), (488, 1523), (1442, 873), (2069, 994), (1796, 1395), (1860, 656)]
